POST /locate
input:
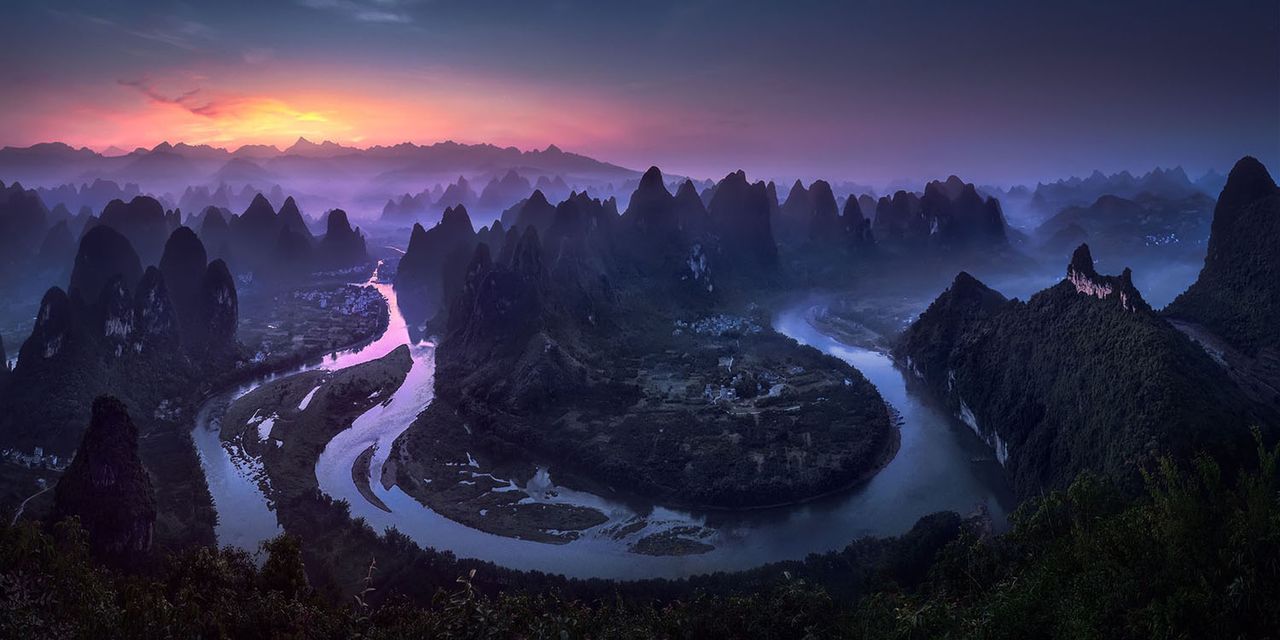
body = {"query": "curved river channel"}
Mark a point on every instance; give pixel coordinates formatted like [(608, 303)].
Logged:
[(941, 465)]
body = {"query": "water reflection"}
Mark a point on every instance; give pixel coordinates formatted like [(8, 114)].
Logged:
[(940, 466)]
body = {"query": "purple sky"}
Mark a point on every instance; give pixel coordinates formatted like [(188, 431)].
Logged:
[(861, 90)]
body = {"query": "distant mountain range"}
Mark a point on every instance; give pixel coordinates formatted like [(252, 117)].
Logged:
[(323, 175), (1052, 197)]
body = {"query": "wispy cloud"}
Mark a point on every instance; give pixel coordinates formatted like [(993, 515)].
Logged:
[(185, 100), (176, 32), (237, 117), (373, 11)]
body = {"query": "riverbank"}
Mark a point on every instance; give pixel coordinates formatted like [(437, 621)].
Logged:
[(934, 470), (287, 423)]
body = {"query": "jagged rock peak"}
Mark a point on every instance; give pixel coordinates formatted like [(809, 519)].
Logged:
[(687, 191), (106, 486), (966, 285), (1249, 180), (820, 191), (337, 222), (652, 180), (1082, 261), (1086, 280), (457, 217), (289, 206), (259, 210), (291, 217), (537, 199), (212, 220), (416, 237), (852, 210)]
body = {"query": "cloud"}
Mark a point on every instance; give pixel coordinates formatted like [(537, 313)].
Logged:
[(183, 100), (258, 55), (180, 33), (211, 108), (372, 11)]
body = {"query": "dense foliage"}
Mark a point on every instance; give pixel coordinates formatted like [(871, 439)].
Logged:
[(1068, 382), (1237, 295), (1197, 555)]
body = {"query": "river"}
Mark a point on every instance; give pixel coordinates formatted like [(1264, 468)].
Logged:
[(940, 466)]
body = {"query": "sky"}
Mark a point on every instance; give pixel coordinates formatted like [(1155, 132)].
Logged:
[(865, 90)]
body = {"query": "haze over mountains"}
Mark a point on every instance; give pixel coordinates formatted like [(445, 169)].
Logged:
[(661, 320), (323, 175), (411, 181), (632, 348)]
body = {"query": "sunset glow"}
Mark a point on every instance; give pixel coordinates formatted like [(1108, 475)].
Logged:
[(807, 97)]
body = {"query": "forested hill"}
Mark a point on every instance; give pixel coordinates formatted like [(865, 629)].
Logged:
[(1084, 376), (1237, 296)]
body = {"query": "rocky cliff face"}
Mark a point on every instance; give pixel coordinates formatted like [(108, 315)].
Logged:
[(115, 316), (52, 329), (1087, 281), (107, 488), (127, 341), (1083, 376), (104, 254), (1237, 295), (155, 318), (220, 309)]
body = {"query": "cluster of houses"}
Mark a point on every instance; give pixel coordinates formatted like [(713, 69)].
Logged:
[(35, 460)]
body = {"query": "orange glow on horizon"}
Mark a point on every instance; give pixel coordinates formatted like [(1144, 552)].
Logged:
[(364, 112)]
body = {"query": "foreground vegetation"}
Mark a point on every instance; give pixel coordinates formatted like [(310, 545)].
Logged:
[(1196, 555)]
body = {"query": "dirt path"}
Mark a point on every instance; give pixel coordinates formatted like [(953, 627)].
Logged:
[(18, 514)]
